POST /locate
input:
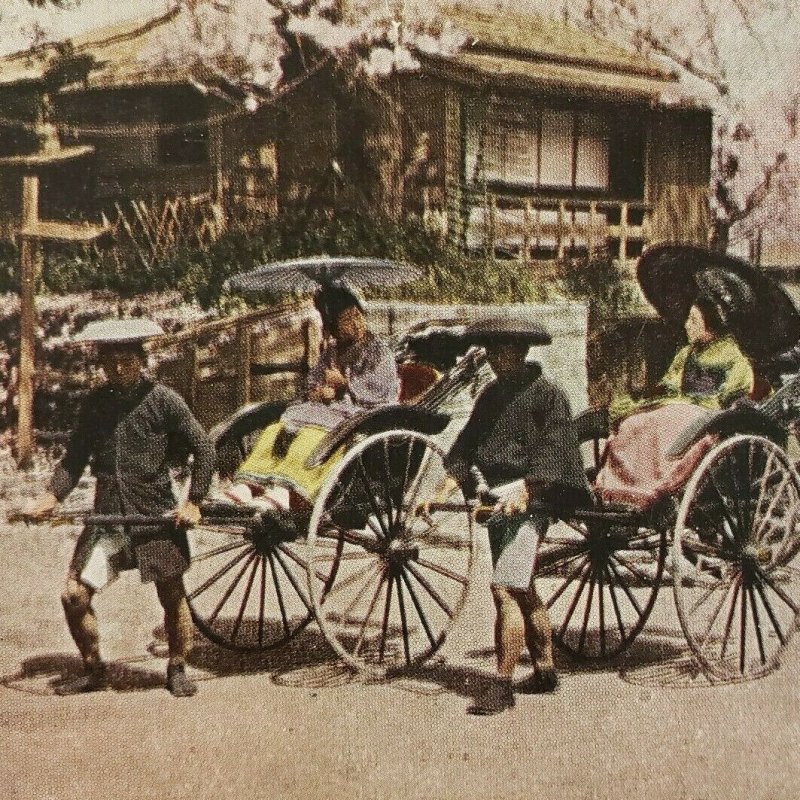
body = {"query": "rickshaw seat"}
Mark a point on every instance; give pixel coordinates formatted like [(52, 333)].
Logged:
[(415, 380)]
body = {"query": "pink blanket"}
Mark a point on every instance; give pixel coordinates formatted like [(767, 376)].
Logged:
[(636, 470)]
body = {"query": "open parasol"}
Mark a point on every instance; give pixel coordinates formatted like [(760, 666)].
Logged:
[(671, 275), (305, 275)]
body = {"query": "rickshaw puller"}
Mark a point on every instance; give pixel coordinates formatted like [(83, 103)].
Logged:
[(125, 429), (520, 433)]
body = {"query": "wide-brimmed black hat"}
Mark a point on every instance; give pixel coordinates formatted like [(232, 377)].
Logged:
[(763, 320), (502, 330), (437, 342)]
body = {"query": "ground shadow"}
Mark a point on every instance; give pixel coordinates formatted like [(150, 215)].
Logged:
[(304, 661), (43, 673)]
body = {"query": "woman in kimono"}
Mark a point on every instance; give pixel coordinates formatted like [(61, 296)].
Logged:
[(708, 374), (356, 371)]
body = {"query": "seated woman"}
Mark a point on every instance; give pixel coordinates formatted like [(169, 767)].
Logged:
[(709, 373), (356, 371)]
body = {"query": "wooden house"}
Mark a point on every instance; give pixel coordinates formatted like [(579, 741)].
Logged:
[(534, 141), (159, 129)]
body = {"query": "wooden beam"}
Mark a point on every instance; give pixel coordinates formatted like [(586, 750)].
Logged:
[(29, 258)]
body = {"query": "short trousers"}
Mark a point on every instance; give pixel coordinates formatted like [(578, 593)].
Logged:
[(514, 543), (103, 553)]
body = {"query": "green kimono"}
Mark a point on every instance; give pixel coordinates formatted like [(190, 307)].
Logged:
[(711, 376)]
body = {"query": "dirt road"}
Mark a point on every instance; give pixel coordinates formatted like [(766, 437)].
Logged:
[(291, 724)]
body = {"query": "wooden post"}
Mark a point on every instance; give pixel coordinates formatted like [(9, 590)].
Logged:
[(192, 355), (29, 261), (590, 235), (243, 359), (562, 226), (623, 233), (526, 232)]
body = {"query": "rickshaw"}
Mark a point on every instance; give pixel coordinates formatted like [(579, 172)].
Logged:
[(385, 584)]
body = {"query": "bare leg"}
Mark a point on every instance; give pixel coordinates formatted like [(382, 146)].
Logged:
[(177, 619), (81, 620), (538, 633), (539, 638), (178, 626), (77, 601), (509, 638), (509, 630)]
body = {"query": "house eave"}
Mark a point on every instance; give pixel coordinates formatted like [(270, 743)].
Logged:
[(490, 71)]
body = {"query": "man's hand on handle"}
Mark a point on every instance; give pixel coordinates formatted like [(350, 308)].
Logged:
[(187, 513)]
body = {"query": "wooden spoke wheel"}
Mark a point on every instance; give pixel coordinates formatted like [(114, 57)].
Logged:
[(400, 578), (599, 582), (247, 584), (735, 558)]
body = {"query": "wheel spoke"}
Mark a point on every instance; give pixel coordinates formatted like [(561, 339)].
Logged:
[(771, 508), (625, 588), (293, 581), (229, 591), (601, 610), (362, 633), (743, 628), (409, 494), (576, 598), (757, 624), (354, 577), (735, 586), (365, 482), (712, 481), (423, 581), (770, 613), (422, 471), (219, 573), (767, 579), (353, 604), (741, 493), (553, 566), (615, 603), (302, 563), (567, 581), (263, 602), (417, 605), (217, 551), (634, 569), (587, 610), (243, 605), (386, 610), (403, 621), (447, 573), (279, 595)]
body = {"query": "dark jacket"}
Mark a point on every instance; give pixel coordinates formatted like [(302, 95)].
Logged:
[(522, 428), (128, 436)]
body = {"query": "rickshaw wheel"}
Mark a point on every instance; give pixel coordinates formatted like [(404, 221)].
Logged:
[(599, 582), (402, 577), (246, 585), (735, 558)]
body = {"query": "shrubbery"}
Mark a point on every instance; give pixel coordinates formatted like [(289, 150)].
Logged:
[(199, 276)]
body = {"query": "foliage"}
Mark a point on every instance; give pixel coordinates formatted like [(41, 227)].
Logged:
[(199, 275), (448, 277), (602, 281)]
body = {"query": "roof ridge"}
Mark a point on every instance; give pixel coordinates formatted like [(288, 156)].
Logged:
[(133, 33), (535, 55), (84, 41)]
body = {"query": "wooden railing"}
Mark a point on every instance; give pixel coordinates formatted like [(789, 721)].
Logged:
[(538, 227), (280, 342)]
